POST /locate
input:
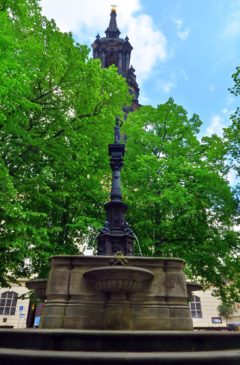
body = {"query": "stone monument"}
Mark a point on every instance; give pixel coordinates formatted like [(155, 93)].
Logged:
[(116, 290)]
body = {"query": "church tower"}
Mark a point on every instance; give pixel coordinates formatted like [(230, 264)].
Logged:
[(113, 50)]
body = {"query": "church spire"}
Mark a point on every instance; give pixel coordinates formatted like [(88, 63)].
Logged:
[(112, 31), (113, 50)]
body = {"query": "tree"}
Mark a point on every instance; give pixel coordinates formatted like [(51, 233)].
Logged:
[(232, 134), (226, 310), (180, 203), (57, 110)]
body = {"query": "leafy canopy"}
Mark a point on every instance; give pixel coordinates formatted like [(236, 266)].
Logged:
[(57, 110), (180, 202)]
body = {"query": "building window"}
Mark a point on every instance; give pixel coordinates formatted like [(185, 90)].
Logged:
[(8, 303), (195, 307)]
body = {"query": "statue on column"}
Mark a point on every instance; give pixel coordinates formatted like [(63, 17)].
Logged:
[(117, 134)]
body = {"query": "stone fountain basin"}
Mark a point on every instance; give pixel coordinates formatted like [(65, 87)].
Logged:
[(119, 279)]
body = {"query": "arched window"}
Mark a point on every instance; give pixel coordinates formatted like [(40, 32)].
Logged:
[(112, 59), (195, 307), (8, 302)]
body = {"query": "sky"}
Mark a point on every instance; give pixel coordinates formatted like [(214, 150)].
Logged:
[(185, 49)]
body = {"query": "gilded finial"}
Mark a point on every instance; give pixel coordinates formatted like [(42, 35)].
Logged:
[(114, 8)]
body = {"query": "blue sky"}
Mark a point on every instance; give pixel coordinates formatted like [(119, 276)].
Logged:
[(203, 47), (186, 49)]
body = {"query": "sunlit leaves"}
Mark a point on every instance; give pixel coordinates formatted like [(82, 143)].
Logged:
[(180, 201), (57, 111)]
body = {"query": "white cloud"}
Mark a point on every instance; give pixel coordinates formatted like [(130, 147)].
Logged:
[(88, 18), (167, 87), (91, 15), (222, 118), (229, 109), (227, 112), (182, 33), (211, 88), (230, 100), (143, 98), (178, 23), (184, 74), (149, 45), (232, 28), (216, 126)]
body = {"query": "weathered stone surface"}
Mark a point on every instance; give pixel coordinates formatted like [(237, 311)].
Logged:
[(73, 302), (23, 347)]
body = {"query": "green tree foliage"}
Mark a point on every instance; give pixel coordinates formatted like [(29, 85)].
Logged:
[(57, 109), (232, 134), (226, 310), (180, 202), (232, 137)]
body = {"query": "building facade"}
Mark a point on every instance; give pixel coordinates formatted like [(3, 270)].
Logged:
[(204, 310), (14, 306)]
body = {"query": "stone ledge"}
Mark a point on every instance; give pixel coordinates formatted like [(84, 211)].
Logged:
[(119, 341), (231, 357)]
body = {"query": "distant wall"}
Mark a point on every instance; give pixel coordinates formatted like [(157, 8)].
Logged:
[(19, 319), (210, 315)]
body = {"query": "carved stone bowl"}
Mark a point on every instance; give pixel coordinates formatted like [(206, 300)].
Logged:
[(119, 279)]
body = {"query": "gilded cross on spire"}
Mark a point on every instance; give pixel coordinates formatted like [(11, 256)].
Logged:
[(112, 31), (114, 8)]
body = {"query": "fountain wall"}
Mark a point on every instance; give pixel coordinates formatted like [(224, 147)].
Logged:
[(111, 301)]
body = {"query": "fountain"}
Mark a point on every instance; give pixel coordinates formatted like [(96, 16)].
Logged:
[(116, 290), (116, 308)]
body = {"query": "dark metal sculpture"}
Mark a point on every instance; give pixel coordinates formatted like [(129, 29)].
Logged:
[(117, 134), (116, 235)]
